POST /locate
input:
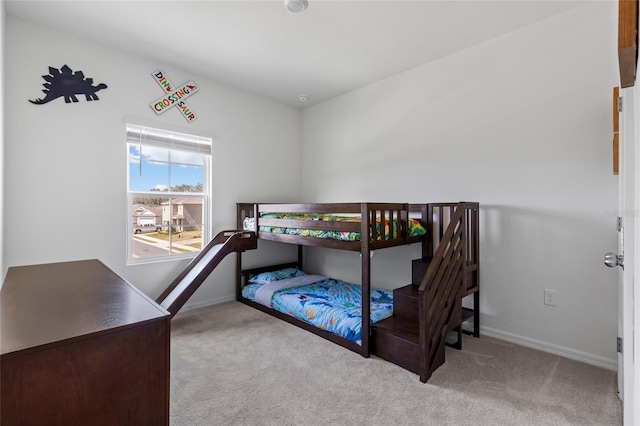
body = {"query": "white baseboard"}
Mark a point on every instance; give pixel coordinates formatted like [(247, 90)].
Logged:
[(209, 302), (599, 361)]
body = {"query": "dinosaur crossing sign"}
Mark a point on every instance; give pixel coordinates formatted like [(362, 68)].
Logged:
[(174, 96)]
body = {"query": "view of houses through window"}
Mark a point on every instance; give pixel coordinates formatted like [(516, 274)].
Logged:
[(168, 193)]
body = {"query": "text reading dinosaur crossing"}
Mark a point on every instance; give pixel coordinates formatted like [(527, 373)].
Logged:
[(174, 97)]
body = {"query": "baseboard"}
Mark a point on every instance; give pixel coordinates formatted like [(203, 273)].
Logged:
[(608, 363), (209, 302)]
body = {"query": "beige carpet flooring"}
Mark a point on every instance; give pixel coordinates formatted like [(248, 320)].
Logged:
[(234, 365)]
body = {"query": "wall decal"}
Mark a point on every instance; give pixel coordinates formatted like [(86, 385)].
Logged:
[(66, 83), (174, 97)]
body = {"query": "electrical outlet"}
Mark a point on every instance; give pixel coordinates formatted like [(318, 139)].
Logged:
[(550, 297)]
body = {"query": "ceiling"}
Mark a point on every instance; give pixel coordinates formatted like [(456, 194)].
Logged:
[(331, 48)]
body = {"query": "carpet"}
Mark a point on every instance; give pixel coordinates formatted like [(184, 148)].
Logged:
[(234, 365)]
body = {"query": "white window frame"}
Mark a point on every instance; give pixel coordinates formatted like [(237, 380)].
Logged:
[(176, 141)]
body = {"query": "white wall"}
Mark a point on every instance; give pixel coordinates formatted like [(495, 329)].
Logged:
[(2, 45), (521, 124), (65, 187)]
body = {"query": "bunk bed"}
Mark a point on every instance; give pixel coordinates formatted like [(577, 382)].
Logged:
[(446, 272)]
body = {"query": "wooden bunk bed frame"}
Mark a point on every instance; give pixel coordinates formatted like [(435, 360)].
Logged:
[(447, 271)]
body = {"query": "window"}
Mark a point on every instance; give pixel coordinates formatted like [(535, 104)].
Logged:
[(168, 194)]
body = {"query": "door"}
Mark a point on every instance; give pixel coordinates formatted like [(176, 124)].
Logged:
[(613, 260), (630, 294), (627, 229)]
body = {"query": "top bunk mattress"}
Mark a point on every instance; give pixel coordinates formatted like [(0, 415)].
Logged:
[(385, 229)]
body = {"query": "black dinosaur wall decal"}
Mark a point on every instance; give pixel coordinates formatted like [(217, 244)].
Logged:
[(66, 83)]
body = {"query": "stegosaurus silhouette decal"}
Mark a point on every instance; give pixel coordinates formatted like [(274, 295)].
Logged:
[(65, 82)]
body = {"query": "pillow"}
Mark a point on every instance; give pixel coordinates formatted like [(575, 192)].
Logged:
[(416, 228), (271, 276)]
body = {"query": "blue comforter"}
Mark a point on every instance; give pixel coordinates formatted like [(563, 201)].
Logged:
[(329, 304)]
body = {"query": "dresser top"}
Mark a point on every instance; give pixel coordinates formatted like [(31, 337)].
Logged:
[(50, 304)]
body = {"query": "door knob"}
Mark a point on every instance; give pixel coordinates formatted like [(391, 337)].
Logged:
[(612, 260)]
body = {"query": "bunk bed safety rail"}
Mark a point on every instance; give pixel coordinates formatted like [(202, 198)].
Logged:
[(387, 222), (440, 292), (436, 217)]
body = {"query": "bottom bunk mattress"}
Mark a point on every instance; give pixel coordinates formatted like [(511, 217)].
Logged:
[(329, 304)]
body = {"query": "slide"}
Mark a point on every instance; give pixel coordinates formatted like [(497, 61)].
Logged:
[(185, 284)]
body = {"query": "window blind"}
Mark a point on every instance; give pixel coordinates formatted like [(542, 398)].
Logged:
[(167, 139)]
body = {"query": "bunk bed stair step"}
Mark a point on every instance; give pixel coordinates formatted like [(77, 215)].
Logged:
[(419, 269), (396, 340), (405, 302), (468, 314), (406, 299)]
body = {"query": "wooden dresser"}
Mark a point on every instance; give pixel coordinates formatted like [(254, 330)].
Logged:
[(81, 346)]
